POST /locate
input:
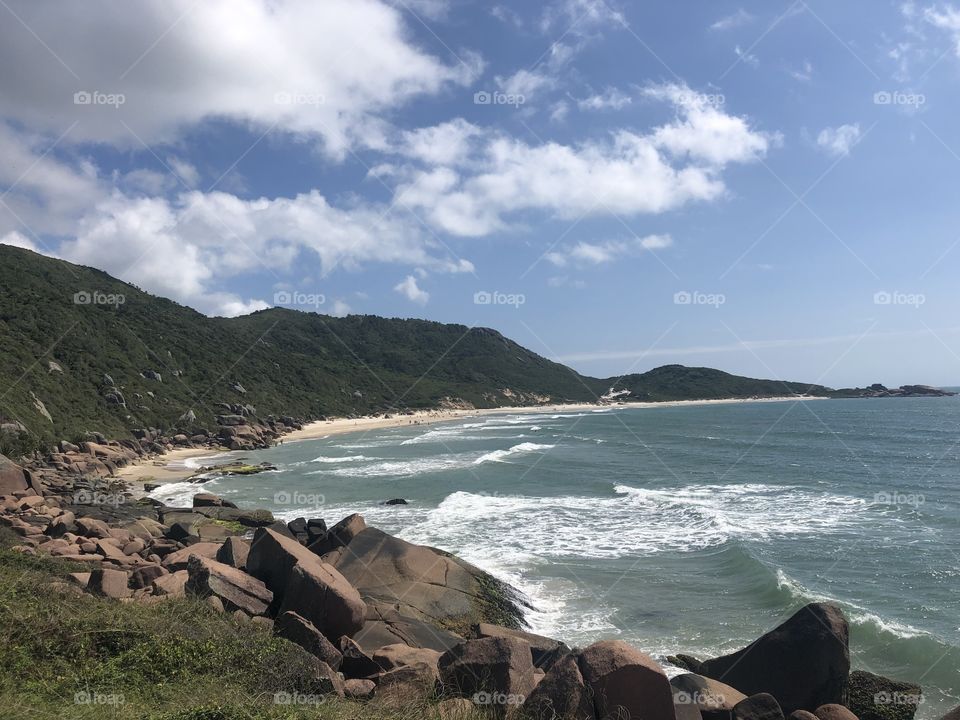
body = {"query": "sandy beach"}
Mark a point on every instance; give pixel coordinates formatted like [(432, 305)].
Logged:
[(173, 466)]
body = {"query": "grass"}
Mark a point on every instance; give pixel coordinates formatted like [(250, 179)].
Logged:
[(174, 660)]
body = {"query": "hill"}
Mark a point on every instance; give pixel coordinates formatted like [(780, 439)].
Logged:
[(84, 351)]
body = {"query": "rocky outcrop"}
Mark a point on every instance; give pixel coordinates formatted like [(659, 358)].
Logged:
[(320, 594), (496, 672), (713, 699), (543, 650), (804, 663), (874, 697), (12, 477), (562, 694), (423, 583), (626, 682), (761, 706), (236, 589), (299, 630)]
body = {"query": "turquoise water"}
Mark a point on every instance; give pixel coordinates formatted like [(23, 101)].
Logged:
[(680, 529)]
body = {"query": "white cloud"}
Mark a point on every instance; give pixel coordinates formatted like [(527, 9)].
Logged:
[(340, 308), (585, 253), (947, 18), (410, 290), (19, 240), (610, 99), (738, 19), (525, 83), (804, 74), (318, 69), (746, 56), (839, 141), (629, 173), (185, 172), (559, 111), (581, 16), (445, 144)]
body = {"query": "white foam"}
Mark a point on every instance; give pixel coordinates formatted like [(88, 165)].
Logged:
[(343, 459), (501, 455)]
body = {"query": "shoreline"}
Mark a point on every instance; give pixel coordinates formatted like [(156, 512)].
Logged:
[(173, 467)]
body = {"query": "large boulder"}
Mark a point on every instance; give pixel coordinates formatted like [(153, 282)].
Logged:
[(297, 629), (236, 589), (405, 687), (545, 651), (385, 626), (874, 697), (626, 681), (320, 594), (340, 535), (761, 706), (12, 477), (423, 583), (804, 663), (272, 557), (834, 711), (390, 657), (713, 699), (234, 552), (110, 583), (561, 695), (496, 672)]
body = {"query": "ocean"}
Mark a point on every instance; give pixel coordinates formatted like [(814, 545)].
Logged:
[(679, 529)]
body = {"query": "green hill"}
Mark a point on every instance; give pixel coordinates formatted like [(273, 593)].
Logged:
[(72, 351)]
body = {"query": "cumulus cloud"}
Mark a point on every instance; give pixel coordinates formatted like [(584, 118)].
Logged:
[(321, 69), (15, 239), (411, 291), (629, 173), (610, 99), (839, 141)]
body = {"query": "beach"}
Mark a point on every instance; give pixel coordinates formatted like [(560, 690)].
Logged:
[(174, 466)]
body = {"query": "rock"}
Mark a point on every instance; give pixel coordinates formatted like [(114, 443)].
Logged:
[(329, 680), (423, 583), (144, 576), (620, 676), (92, 528), (952, 715), (356, 663), (544, 650), (134, 547), (802, 715), (80, 578), (713, 699), (397, 501), (12, 477), (340, 535), (873, 697), (234, 552), (110, 583), (685, 662), (761, 706), (561, 695), (172, 584), (406, 686), (390, 657), (803, 663), (178, 560), (210, 500), (495, 672), (235, 588), (272, 557), (319, 593), (385, 626), (834, 711), (297, 629), (359, 689)]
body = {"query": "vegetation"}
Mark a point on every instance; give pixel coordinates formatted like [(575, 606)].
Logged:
[(97, 354), (68, 654)]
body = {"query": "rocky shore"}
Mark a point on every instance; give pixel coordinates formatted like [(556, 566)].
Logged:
[(386, 622)]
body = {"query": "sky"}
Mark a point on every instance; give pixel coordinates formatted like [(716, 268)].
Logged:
[(768, 188)]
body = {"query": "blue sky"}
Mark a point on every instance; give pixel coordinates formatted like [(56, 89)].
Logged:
[(764, 187)]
